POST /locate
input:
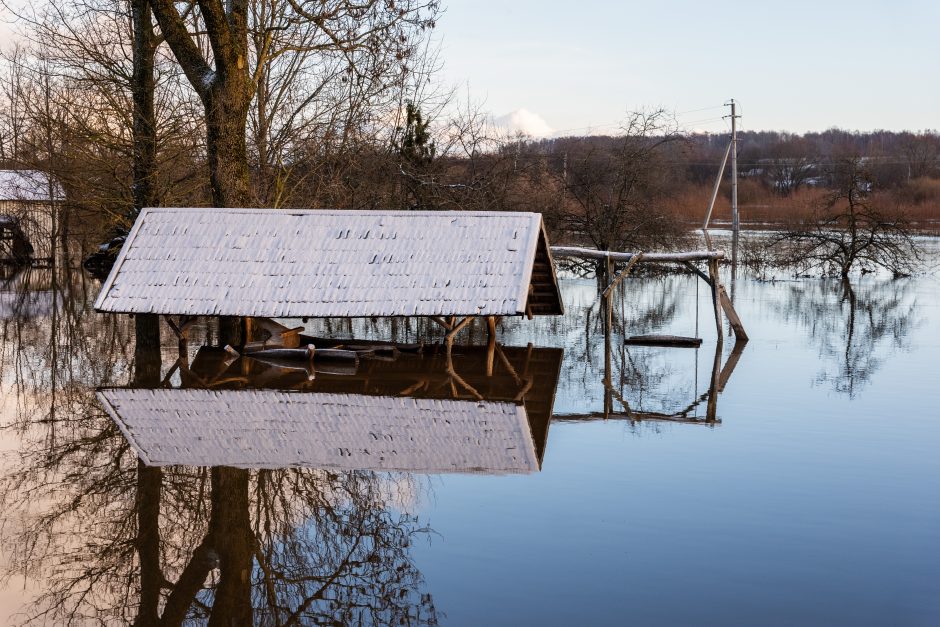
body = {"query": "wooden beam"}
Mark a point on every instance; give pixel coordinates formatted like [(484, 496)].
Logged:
[(593, 253), (730, 365), (739, 333), (663, 340), (637, 258), (449, 338), (636, 416), (181, 328), (694, 269), (441, 322), (716, 301)]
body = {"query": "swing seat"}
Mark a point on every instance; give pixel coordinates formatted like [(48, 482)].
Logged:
[(664, 340)]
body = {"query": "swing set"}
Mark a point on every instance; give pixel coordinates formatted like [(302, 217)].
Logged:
[(721, 302)]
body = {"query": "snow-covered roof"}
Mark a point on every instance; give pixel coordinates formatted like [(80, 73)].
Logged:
[(28, 185), (324, 263), (275, 429)]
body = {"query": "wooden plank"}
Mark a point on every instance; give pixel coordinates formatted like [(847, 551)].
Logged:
[(736, 325), (664, 340)]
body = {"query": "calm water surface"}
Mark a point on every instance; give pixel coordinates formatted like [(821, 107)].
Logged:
[(809, 496)]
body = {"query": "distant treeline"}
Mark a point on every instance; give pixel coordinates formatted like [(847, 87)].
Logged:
[(788, 161), (643, 188)]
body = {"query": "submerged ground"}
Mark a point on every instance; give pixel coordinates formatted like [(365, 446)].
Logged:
[(810, 499)]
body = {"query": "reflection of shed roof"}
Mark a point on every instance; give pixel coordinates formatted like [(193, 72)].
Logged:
[(267, 428), (28, 185), (22, 305), (322, 263)]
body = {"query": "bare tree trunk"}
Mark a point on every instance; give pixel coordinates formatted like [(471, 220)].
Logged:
[(149, 487), (143, 86), (147, 365), (225, 89), (226, 118), (230, 527)]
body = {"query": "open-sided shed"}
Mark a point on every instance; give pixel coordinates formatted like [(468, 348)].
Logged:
[(291, 263)]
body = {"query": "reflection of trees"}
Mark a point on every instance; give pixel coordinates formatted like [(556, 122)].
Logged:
[(113, 541), (118, 542), (856, 327)]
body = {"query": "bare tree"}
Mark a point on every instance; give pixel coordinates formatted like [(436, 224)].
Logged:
[(616, 193), (370, 35), (790, 165), (852, 227), (922, 153)]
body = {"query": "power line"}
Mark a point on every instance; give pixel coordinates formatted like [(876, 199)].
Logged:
[(617, 123)]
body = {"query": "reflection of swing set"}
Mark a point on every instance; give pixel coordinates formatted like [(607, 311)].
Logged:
[(721, 302), (720, 375)]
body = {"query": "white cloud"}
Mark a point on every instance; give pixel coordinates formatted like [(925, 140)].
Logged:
[(523, 121)]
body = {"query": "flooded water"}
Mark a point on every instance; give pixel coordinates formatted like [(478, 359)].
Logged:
[(550, 479)]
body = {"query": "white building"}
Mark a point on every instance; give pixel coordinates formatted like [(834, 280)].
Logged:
[(32, 198)]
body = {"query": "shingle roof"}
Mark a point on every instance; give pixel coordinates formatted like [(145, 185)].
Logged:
[(322, 263), (274, 429), (29, 185)]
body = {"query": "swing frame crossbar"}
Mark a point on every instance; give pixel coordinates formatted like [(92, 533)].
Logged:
[(720, 299)]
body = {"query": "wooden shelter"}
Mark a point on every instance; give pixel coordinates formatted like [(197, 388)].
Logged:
[(450, 266)]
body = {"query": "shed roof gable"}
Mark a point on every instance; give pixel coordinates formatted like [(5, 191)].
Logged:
[(326, 263)]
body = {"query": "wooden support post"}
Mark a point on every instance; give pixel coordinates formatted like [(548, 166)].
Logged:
[(443, 323), (623, 273), (714, 282), (739, 333), (490, 344), (711, 407), (607, 297), (508, 365), (490, 356), (730, 365), (181, 330), (455, 329)]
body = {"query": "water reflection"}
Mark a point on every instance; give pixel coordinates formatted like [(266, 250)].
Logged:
[(473, 409), (617, 405), (297, 531), (855, 326), (116, 540), (290, 525)]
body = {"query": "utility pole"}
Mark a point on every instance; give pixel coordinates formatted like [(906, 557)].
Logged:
[(735, 218)]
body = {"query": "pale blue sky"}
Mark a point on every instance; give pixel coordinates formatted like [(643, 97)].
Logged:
[(794, 65)]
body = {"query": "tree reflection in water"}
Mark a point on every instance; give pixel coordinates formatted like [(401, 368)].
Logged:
[(113, 540), (855, 326)]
